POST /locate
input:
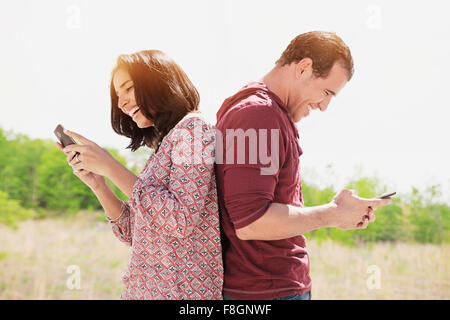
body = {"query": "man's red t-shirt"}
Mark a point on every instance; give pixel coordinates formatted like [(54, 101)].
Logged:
[(257, 269)]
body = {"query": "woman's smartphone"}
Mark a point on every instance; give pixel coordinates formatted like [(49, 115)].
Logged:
[(387, 195), (62, 137)]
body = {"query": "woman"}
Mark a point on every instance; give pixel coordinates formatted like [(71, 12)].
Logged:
[(171, 220)]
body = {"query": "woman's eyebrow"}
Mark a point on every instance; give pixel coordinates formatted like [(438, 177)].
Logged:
[(124, 83), (117, 92)]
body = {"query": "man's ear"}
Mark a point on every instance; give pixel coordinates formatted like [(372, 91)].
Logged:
[(303, 68)]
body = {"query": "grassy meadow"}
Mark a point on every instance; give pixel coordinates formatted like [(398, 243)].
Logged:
[(34, 261)]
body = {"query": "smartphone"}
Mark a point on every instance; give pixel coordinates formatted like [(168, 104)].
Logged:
[(62, 137), (387, 195)]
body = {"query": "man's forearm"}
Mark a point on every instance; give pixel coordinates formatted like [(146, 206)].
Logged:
[(282, 221), (123, 178)]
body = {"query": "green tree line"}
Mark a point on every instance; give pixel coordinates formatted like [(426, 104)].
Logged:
[(35, 181), (417, 217)]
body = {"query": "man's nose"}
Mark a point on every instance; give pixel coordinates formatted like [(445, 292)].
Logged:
[(323, 105)]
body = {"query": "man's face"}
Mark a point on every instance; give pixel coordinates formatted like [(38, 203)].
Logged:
[(311, 93)]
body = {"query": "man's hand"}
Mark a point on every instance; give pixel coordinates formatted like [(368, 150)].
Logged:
[(353, 212)]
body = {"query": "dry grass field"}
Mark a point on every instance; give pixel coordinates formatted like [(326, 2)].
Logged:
[(34, 262)]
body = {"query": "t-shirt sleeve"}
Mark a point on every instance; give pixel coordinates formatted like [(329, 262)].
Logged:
[(257, 153)]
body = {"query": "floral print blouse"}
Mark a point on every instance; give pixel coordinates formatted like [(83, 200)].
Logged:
[(171, 220)]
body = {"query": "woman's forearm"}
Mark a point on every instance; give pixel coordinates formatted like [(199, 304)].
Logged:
[(109, 201), (123, 178)]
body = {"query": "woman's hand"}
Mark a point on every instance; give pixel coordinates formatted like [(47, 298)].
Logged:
[(94, 159), (91, 156), (92, 180)]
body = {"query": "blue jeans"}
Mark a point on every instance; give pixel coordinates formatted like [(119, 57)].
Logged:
[(304, 296)]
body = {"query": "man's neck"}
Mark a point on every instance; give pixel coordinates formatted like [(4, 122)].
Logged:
[(275, 80)]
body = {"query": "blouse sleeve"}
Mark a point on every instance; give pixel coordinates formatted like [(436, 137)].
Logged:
[(122, 226), (185, 166)]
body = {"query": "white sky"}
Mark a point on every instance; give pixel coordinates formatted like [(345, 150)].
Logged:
[(390, 121)]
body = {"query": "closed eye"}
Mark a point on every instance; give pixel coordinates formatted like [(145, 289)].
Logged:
[(126, 90), (328, 92)]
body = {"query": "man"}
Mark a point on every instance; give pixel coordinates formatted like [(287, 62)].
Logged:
[(262, 211)]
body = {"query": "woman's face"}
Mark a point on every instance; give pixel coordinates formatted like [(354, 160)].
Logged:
[(124, 87)]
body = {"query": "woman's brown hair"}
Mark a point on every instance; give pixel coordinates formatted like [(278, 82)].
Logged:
[(163, 93)]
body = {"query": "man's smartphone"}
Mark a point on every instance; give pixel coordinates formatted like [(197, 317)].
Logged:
[(387, 195), (62, 137)]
